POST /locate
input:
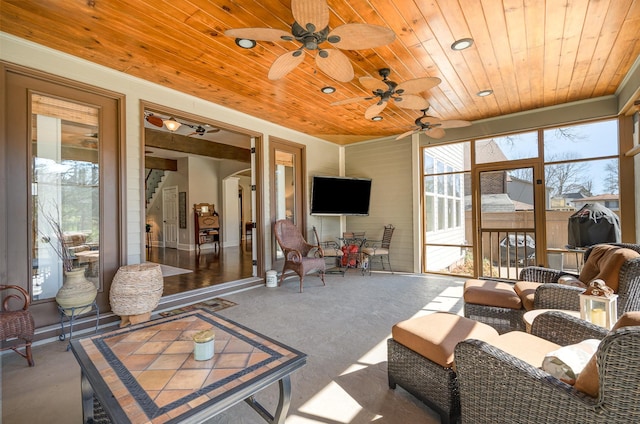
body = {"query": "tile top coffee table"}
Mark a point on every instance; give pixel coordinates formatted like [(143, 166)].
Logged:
[(146, 373)]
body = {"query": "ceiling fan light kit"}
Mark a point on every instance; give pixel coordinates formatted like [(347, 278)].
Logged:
[(404, 94), (461, 44), (171, 124), (433, 127), (245, 43), (311, 29)]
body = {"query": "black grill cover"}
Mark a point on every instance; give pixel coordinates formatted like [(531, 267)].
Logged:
[(593, 224)]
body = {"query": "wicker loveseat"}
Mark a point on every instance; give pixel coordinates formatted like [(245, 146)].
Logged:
[(497, 387), (502, 304)]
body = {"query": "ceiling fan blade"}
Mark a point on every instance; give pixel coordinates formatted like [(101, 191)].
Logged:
[(403, 135), (348, 101), (454, 123), (373, 84), (335, 64), (411, 101), (361, 36), (154, 120), (374, 110), (314, 12), (418, 85), (435, 132), (260, 34), (285, 64)]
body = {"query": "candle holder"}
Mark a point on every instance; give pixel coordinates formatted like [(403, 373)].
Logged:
[(599, 310)]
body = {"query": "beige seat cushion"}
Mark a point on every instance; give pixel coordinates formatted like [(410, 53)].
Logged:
[(604, 262), (436, 335), (375, 251), (525, 346), (526, 290), (588, 380), (491, 293)]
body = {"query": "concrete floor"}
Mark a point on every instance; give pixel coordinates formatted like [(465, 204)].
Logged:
[(342, 327)]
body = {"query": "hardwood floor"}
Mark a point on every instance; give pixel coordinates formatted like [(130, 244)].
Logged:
[(209, 266)]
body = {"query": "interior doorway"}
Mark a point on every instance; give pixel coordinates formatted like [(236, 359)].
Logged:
[(192, 159)]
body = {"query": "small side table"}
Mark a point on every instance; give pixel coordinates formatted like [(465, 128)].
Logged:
[(528, 317), (64, 312)]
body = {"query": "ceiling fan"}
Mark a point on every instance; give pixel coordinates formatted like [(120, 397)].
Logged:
[(197, 129), (201, 130), (311, 28), (432, 126), (402, 94)]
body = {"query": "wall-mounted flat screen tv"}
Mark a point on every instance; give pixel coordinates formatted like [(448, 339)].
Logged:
[(340, 196)]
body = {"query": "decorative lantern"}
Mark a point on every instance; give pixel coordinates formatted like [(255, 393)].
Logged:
[(599, 305)]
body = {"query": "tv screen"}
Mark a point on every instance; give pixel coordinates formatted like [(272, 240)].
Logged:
[(340, 196)]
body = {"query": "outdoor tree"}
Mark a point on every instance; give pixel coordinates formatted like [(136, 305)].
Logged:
[(611, 182), (566, 176)]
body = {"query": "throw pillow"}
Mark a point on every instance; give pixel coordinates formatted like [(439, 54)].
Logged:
[(588, 380), (567, 363)]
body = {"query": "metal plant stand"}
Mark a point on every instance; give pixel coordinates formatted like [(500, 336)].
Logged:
[(73, 316)]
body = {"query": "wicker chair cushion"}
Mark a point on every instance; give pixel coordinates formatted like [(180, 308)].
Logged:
[(526, 291), (588, 380), (494, 293), (604, 262), (435, 336), (525, 346)]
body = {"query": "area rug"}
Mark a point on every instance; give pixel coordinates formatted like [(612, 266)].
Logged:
[(211, 305), (168, 271)]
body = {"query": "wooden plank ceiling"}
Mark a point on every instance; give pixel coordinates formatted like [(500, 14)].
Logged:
[(531, 53)]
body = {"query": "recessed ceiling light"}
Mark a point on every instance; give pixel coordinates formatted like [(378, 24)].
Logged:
[(245, 43), (461, 44), (328, 89), (377, 118), (484, 93)]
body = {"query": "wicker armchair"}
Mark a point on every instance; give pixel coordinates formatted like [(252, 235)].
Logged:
[(299, 256), (498, 387), (16, 326), (550, 295)]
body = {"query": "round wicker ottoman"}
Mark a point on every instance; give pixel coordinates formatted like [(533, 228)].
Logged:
[(135, 292)]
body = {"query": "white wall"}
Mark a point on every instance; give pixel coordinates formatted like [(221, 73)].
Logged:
[(320, 155)]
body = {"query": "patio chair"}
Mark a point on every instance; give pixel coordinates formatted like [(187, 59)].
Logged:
[(299, 256), (331, 251), (495, 385), (379, 248), (16, 325), (502, 304)]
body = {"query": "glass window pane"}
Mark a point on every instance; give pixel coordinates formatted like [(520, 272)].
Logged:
[(428, 185), (65, 192), (583, 141), (511, 147), (430, 216), (456, 155), (428, 163), (441, 213), (570, 181)]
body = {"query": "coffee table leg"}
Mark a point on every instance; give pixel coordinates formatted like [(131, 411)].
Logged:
[(283, 403), (87, 399)]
